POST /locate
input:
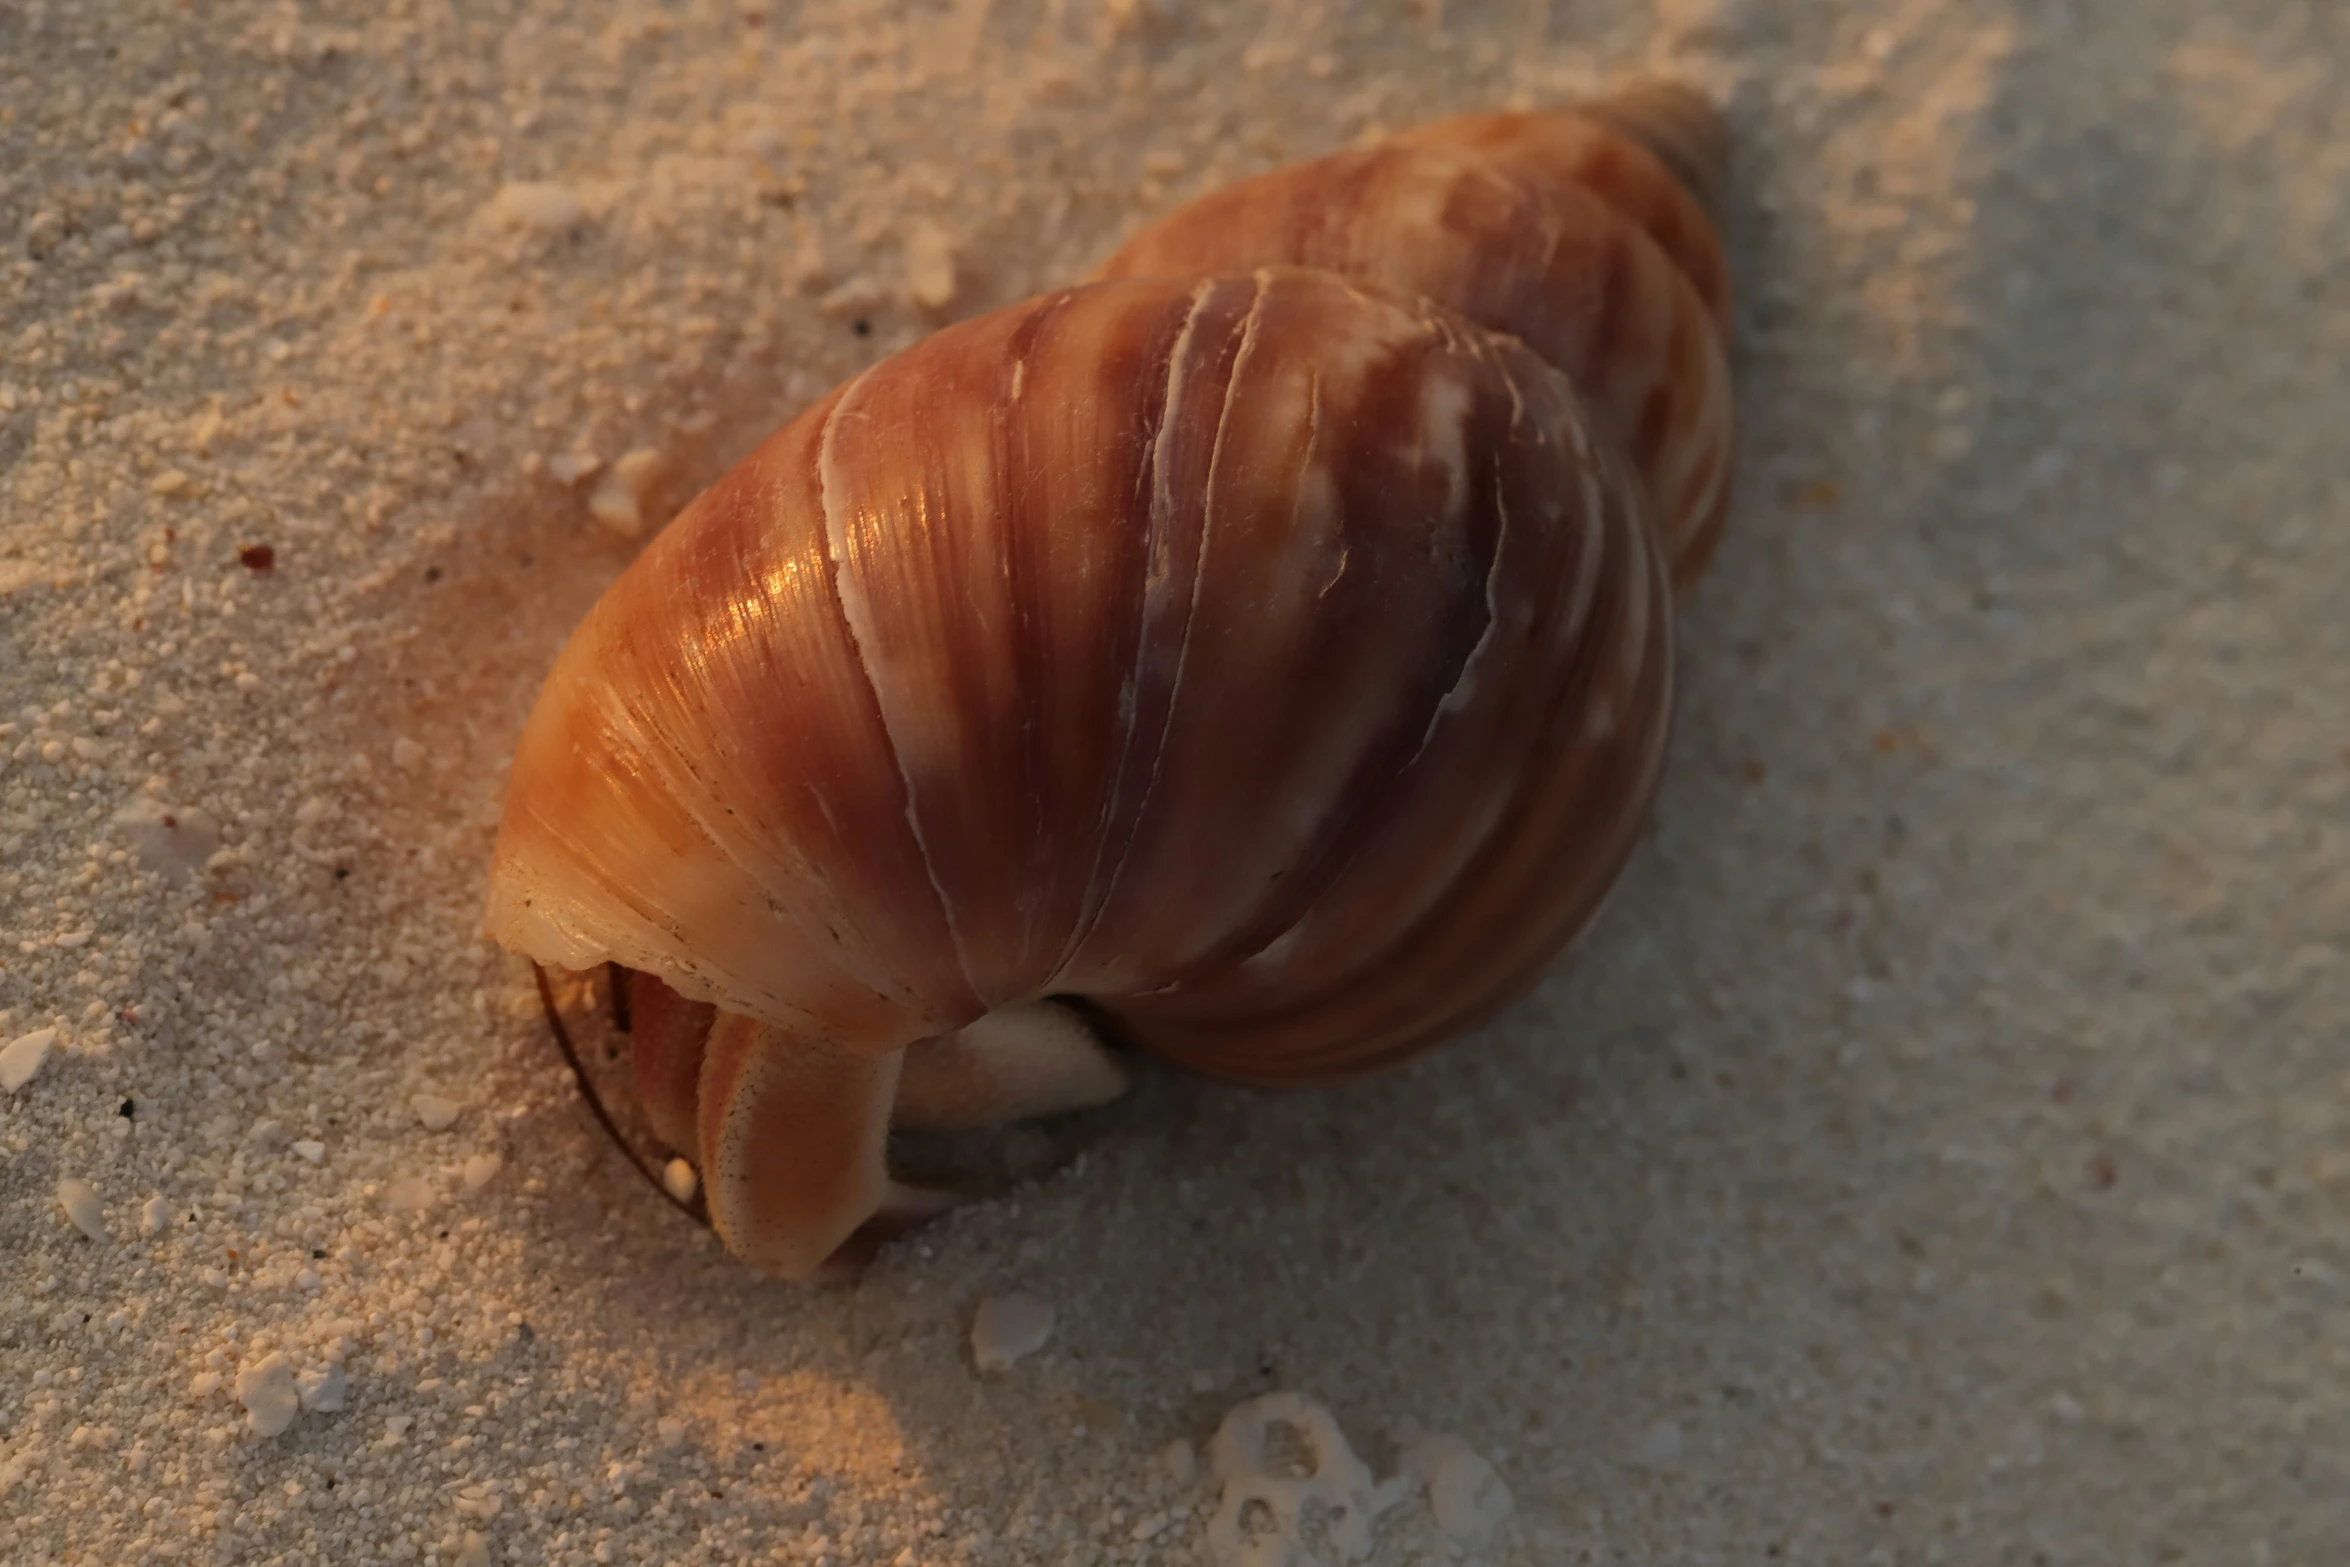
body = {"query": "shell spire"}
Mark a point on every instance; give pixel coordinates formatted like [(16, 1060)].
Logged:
[(1577, 232), (1268, 641), (1680, 126)]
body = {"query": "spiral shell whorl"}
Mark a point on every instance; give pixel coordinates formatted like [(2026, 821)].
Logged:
[(1568, 231), (1682, 129)]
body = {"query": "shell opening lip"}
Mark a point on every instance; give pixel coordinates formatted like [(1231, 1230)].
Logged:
[(693, 1207)]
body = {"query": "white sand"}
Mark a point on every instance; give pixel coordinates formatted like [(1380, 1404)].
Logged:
[(1942, 1152)]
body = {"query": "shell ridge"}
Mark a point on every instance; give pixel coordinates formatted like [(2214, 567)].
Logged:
[(1155, 570), (1321, 862), (589, 929), (1584, 603), (1024, 625), (695, 794), (1454, 697), (1575, 918), (674, 770), (1199, 577), (1207, 531), (1463, 680), (1647, 546), (1558, 738), (835, 551), (1352, 846)]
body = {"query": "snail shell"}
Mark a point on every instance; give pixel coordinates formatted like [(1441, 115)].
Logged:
[(1250, 642)]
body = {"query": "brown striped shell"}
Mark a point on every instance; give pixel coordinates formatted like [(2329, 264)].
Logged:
[(1270, 642), (1559, 229)]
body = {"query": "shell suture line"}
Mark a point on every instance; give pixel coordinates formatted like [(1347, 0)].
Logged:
[(1461, 680), (1645, 544), (1207, 531), (1155, 570), (1199, 574)]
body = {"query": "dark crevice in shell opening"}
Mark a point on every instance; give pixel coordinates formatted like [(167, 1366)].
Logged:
[(696, 1208)]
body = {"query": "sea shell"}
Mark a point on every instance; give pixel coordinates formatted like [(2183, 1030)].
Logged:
[(1269, 642)]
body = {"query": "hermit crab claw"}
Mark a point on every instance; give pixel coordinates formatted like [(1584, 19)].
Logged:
[(786, 1134)]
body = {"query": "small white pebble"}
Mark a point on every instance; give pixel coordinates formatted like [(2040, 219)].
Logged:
[(322, 1389), (482, 1169), (537, 204), (80, 1201), (22, 1057), (679, 1177), (571, 467), (2067, 1409), (437, 1114), (266, 1389), (173, 840), (154, 1214), (616, 509), (1007, 1328), (409, 1194), (307, 1279), (1467, 1497), (760, 141), (619, 501), (1180, 1460), (204, 1384), (930, 266), (311, 1149), (852, 297), (639, 470), (473, 1550), (1659, 1446)]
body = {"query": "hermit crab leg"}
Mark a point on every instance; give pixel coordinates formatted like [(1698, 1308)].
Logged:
[(817, 1170), (666, 1038), (901, 1207), (793, 1128)]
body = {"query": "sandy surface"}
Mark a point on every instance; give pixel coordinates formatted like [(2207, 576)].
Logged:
[(1941, 1152)]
